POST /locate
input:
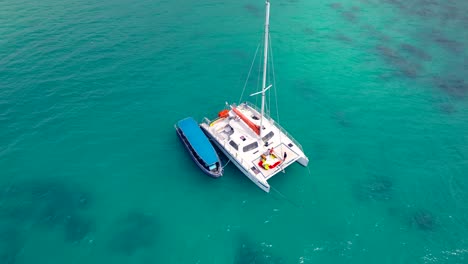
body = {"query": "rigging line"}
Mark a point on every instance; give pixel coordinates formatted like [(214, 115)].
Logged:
[(269, 75), (267, 95), (226, 163), (285, 197), (274, 82), (274, 88), (250, 71), (308, 169), (259, 73)]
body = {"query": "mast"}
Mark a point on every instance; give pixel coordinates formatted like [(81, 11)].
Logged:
[(265, 62)]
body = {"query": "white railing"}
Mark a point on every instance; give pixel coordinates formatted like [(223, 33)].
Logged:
[(275, 123)]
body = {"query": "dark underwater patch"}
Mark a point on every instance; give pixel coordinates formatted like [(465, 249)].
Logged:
[(76, 228), (396, 3), (11, 243), (373, 32), (377, 188), (423, 220), (350, 16), (134, 231), (417, 218), (388, 53), (305, 88), (442, 11), (343, 38), (249, 252), (341, 119), (447, 108), (58, 202), (308, 31), (336, 6), (253, 9), (240, 54), (455, 87), (47, 203), (394, 59), (450, 13), (415, 52), (448, 44)]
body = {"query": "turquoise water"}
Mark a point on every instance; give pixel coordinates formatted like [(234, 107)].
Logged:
[(91, 169)]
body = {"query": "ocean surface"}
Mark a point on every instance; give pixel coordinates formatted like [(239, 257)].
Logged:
[(91, 169)]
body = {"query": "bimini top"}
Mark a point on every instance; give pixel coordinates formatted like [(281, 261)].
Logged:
[(198, 140)]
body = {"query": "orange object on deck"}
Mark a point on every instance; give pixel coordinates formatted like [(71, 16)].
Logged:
[(254, 127), (223, 113)]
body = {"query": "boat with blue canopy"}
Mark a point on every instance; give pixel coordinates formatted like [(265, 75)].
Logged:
[(199, 147)]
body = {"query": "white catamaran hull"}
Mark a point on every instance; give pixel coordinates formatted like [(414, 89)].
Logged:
[(240, 144)]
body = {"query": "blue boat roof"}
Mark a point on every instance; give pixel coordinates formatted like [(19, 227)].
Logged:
[(198, 140)]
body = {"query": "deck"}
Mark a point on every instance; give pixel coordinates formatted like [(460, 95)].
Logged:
[(279, 150)]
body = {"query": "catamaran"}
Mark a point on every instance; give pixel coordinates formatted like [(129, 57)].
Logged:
[(250, 138)]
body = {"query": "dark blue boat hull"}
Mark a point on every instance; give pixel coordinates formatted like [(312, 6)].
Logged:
[(212, 174)]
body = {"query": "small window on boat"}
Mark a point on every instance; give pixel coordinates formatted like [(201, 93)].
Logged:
[(234, 145), (250, 146), (254, 117), (255, 170), (268, 136)]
